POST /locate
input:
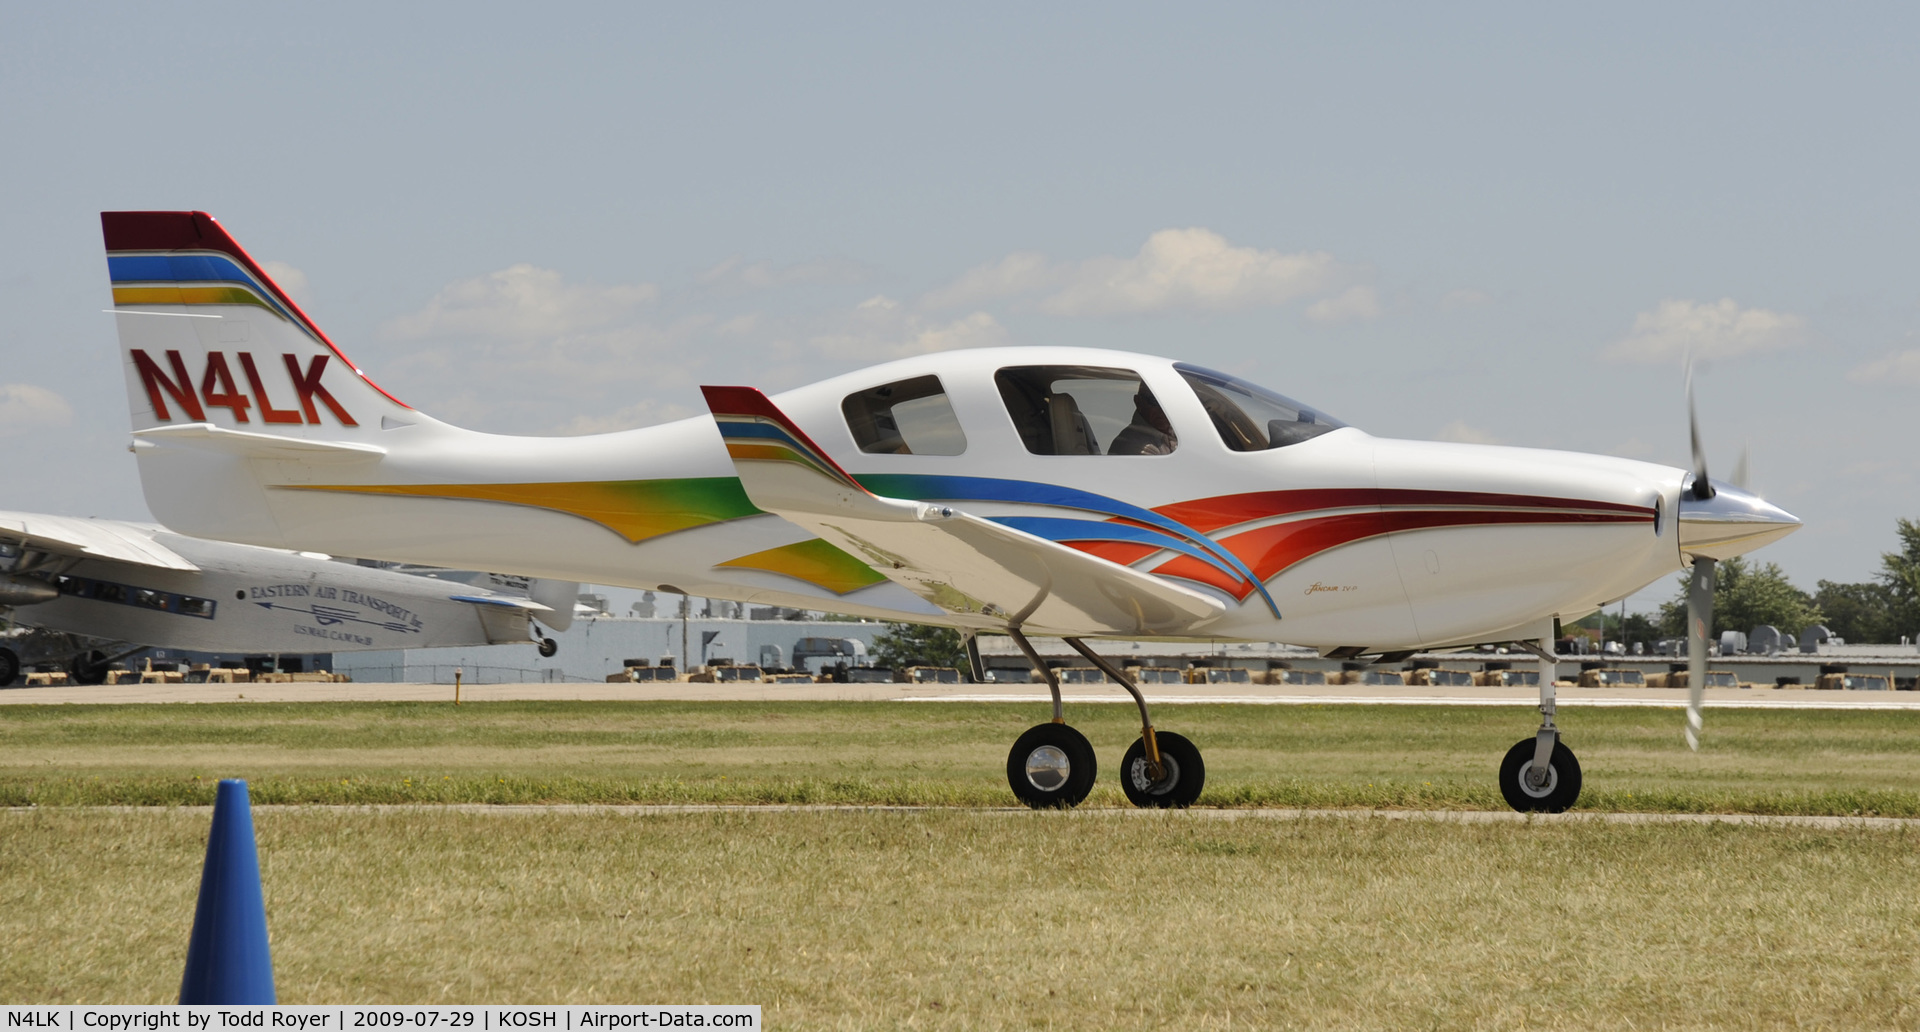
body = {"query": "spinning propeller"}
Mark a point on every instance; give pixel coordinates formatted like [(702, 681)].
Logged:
[(1718, 520), (1700, 585)]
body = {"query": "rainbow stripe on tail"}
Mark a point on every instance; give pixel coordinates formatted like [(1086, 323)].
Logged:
[(756, 430)]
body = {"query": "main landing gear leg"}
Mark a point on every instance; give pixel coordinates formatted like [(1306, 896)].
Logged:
[(1052, 765), (1540, 773), (1162, 769)]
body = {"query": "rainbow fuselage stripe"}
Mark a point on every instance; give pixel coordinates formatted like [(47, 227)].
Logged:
[(1233, 543)]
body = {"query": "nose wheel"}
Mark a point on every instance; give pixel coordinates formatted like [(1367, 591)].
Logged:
[(1530, 789), (1051, 766)]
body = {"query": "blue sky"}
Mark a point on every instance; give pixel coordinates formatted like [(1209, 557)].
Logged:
[(1475, 222)]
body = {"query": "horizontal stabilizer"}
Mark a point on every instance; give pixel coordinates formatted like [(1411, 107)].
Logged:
[(985, 573), (92, 539), (208, 437)]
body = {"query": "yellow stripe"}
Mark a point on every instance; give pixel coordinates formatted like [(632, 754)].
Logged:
[(634, 509), (177, 295), (816, 562)]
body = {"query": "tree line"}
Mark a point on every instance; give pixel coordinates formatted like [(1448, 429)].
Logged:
[(1747, 594)]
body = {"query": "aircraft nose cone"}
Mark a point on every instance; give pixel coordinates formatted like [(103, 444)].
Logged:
[(1732, 522)]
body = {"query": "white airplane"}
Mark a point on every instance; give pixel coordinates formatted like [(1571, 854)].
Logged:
[(1059, 491), (106, 589)]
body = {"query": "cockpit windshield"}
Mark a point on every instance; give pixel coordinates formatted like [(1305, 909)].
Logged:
[(1250, 417)]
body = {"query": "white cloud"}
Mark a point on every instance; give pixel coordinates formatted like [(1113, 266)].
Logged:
[(1357, 303), (1706, 330), (1022, 272), (1900, 368), (737, 276), (646, 413), (1194, 270), (291, 280), (519, 302), (25, 408), (879, 329), (1460, 432)]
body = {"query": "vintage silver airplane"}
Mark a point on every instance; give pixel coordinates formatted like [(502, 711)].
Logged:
[(107, 588), (1063, 491)]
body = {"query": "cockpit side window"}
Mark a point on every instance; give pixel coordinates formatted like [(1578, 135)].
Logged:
[(1084, 410), (906, 417), (1250, 417)]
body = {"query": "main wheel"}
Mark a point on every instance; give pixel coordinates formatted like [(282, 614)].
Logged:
[(1051, 766), (9, 667), (1562, 786), (548, 647), (1183, 773), (88, 667)]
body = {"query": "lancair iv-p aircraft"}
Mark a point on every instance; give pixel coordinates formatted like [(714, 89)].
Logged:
[(1061, 491)]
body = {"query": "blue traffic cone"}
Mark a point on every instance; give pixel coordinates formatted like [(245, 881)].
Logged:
[(227, 958)]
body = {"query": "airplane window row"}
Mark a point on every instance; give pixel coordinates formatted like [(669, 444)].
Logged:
[(1079, 410), (126, 594)]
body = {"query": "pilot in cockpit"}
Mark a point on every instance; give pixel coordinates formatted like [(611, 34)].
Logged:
[(1149, 434)]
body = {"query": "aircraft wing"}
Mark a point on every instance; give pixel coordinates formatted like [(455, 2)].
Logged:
[(502, 602), (983, 572), (91, 539)]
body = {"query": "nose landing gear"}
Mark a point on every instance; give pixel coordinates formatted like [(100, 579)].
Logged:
[(1540, 774)]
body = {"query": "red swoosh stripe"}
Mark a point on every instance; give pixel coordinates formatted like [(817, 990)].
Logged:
[(1269, 551)]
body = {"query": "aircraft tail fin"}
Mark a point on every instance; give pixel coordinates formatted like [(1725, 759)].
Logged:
[(207, 336), (230, 385)]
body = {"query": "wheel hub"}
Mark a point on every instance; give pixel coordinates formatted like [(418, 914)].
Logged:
[(1141, 774), (1545, 787), (1048, 768)]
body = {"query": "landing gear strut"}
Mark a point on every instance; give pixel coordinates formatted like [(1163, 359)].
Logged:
[(1052, 764), (1540, 774)]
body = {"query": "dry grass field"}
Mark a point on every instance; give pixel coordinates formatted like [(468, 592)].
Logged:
[(969, 918), (958, 919), (1439, 757)]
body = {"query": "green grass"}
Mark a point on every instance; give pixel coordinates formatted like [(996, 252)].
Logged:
[(953, 754), (954, 919)]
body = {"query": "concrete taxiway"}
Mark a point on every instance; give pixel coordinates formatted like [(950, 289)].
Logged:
[(1159, 694)]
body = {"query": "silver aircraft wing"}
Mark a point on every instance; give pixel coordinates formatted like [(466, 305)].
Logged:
[(90, 539)]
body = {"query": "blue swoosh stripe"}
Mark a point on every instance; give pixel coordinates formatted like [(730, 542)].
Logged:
[(923, 486), (1058, 529)]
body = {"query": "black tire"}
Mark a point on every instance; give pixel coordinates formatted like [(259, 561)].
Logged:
[(1051, 766), (1185, 773), (9, 667), (548, 647), (88, 667), (1563, 780)]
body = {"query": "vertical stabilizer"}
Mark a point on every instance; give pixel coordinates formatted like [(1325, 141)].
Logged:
[(230, 386), (207, 337)]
